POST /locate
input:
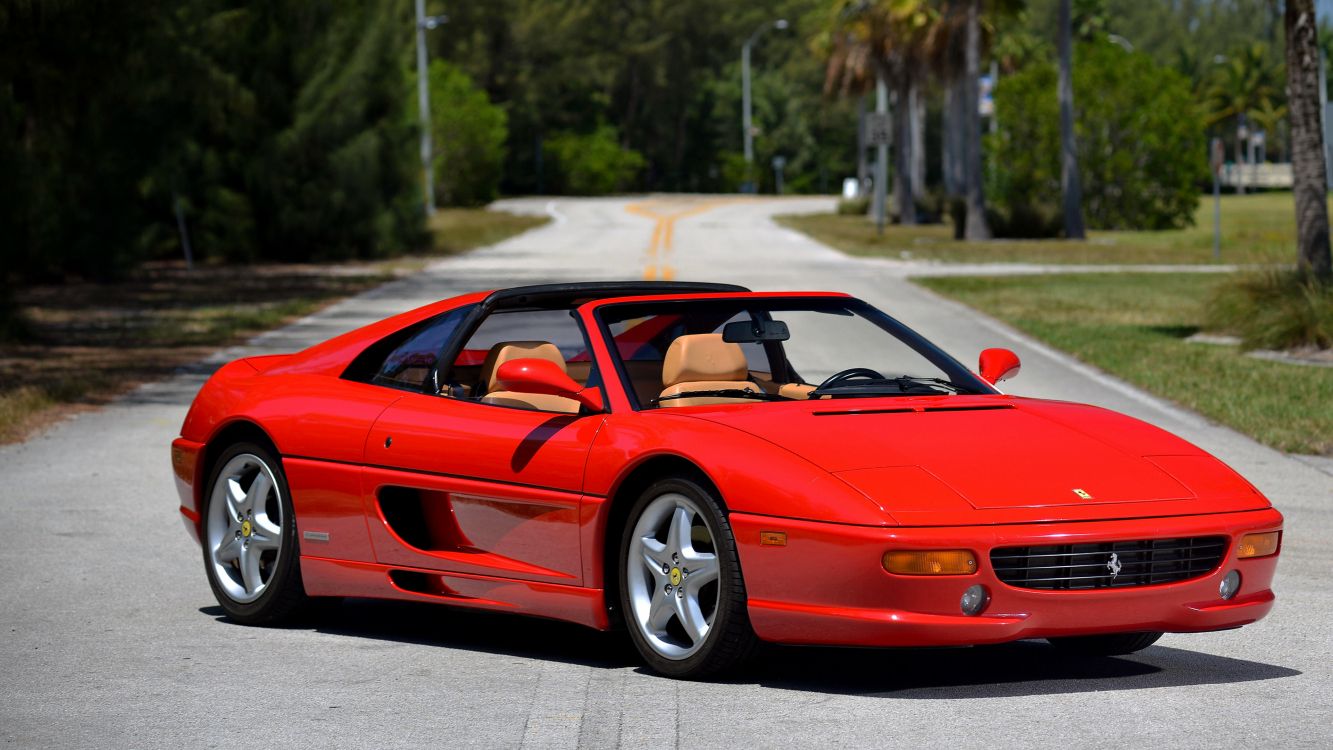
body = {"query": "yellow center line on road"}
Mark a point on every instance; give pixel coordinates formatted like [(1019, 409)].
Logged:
[(658, 260)]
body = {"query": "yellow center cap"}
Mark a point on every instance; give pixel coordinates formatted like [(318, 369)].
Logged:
[(245, 528), (675, 576)]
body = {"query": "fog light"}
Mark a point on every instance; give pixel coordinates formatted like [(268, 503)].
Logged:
[(1230, 585), (943, 562), (1258, 545), (974, 599)]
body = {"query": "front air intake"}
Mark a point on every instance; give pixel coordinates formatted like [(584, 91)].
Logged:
[(1102, 565)]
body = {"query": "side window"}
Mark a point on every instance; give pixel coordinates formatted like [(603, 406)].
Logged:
[(557, 327), (410, 363)]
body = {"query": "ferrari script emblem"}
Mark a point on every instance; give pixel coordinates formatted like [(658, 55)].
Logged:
[(1082, 493), (675, 576), (1114, 565)]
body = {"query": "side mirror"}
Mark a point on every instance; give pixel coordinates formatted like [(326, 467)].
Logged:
[(998, 364), (532, 375)]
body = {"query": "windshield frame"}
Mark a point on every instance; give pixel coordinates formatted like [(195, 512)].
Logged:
[(763, 304)]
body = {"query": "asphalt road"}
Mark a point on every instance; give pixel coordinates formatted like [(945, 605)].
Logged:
[(109, 636)]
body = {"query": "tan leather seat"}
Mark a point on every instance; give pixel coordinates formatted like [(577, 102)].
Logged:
[(704, 362), (509, 350), (799, 391)]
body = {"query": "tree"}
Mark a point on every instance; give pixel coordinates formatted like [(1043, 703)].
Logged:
[(1141, 145), (1070, 187), (469, 135), (883, 39), (977, 227), (1307, 140), (1244, 87)]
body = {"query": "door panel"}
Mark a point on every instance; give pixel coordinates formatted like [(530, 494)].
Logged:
[(461, 486)]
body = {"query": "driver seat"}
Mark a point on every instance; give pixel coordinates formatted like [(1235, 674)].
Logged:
[(507, 350), (704, 362)]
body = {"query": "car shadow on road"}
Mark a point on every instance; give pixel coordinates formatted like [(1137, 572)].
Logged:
[(1007, 670)]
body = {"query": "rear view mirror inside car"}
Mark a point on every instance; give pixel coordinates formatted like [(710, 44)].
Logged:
[(751, 331)]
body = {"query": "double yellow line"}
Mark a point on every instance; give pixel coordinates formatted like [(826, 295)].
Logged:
[(658, 257)]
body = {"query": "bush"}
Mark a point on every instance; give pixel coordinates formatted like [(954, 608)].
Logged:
[(1140, 140), (594, 164), (468, 133), (1277, 309)]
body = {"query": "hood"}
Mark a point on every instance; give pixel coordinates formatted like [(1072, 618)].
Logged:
[(994, 453)]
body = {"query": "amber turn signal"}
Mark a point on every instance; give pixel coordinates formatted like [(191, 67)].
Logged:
[(946, 562), (1258, 545)]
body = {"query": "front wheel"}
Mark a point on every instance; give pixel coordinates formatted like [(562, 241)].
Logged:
[(1116, 644), (250, 549), (681, 587)]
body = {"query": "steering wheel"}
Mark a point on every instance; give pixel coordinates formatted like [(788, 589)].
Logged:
[(851, 373)]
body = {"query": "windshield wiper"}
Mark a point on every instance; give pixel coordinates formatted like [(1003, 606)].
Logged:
[(722, 393), (903, 385)]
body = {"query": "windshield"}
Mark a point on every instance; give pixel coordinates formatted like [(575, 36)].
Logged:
[(790, 348)]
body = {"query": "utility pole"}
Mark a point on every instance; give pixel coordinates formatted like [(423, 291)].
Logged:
[(424, 24), (881, 153), (747, 129)]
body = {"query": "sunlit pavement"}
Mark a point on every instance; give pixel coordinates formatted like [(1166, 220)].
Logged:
[(111, 637)]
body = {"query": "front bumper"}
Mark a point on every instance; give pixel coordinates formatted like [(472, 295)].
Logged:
[(827, 586), (185, 465)]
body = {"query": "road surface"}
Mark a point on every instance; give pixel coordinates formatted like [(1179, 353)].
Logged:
[(111, 637)]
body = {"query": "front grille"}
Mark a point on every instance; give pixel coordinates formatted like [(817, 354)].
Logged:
[(1089, 566)]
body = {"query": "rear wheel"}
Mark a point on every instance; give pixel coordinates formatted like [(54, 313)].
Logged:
[(250, 549), (1116, 644), (680, 585)]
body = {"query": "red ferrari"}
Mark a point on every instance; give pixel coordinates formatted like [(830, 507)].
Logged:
[(709, 468)]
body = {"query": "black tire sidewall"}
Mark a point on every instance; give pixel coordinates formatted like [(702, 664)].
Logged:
[(730, 636), (285, 589)]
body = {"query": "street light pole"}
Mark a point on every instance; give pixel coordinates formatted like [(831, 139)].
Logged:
[(746, 128), (424, 24)]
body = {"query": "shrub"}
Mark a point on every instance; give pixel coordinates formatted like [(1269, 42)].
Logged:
[(1276, 309), (1140, 140), (468, 133), (595, 163)]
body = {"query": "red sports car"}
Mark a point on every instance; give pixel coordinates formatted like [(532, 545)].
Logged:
[(710, 468)]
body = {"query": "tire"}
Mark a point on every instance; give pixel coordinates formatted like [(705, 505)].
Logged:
[(1116, 644), (252, 561), (695, 628)]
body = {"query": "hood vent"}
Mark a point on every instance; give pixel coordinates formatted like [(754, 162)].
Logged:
[(909, 410)]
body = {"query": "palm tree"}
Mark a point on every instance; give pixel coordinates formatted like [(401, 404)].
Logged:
[(884, 39), (1070, 185), (1307, 141), (1245, 84), (976, 227)]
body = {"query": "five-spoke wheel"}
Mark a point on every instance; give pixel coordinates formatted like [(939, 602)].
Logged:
[(681, 588), (249, 537)]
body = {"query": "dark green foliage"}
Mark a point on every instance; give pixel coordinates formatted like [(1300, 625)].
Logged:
[(1140, 138), (469, 134), (282, 128), (594, 164), (1276, 309)]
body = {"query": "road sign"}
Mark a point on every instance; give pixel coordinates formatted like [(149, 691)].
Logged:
[(879, 129)]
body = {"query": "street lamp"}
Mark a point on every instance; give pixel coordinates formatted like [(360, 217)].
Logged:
[(747, 129), (426, 23)]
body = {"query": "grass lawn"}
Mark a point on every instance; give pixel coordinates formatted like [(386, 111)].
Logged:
[(1134, 326), (88, 343), (1256, 228), (455, 230)]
